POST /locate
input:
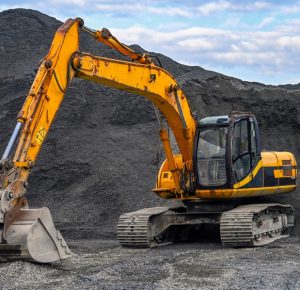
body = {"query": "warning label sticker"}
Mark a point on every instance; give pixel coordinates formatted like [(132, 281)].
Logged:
[(40, 136)]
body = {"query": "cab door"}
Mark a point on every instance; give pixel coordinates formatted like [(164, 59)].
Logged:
[(245, 148)]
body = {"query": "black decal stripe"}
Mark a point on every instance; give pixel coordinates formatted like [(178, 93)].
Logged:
[(287, 181), (269, 178), (265, 178), (287, 167), (257, 181)]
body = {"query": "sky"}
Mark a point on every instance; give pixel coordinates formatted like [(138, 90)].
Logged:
[(251, 40)]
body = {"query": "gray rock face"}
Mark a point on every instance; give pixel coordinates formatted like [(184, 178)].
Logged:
[(99, 158)]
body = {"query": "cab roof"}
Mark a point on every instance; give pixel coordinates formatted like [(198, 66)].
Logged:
[(215, 120)]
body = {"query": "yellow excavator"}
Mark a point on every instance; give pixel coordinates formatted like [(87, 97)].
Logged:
[(220, 164)]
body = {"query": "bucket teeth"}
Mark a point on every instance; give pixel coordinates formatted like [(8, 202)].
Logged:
[(63, 243), (33, 231)]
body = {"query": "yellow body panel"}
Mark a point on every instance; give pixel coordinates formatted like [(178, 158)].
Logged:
[(274, 162), (242, 192)]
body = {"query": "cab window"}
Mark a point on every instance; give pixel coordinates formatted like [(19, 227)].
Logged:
[(241, 149), (253, 143), (211, 156)]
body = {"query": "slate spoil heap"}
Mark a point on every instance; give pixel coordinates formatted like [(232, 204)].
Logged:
[(99, 159)]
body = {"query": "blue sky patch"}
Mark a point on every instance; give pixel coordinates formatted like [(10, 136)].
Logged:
[(251, 40)]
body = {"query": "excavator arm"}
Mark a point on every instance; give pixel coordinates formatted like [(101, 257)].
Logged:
[(63, 62), (108, 39), (30, 228)]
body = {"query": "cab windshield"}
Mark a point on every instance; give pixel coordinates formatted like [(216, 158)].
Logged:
[(211, 152)]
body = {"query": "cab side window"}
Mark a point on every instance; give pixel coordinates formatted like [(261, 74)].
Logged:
[(241, 149), (253, 143)]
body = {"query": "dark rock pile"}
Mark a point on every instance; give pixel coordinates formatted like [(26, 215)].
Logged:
[(99, 159)]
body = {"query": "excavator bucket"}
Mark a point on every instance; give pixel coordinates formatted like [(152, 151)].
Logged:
[(31, 234)]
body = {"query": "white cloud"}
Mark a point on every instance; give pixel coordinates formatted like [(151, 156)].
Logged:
[(192, 37), (5, 7), (198, 44), (264, 51), (289, 43), (290, 9), (142, 8), (232, 22), (171, 11), (222, 6), (80, 3), (259, 5), (246, 58), (212, 7), (265, 22), (177, 32)]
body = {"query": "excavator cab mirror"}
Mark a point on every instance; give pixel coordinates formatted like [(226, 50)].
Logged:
[(227, 149)]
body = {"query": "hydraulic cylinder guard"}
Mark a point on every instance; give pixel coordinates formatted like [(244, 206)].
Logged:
[(33, 233)]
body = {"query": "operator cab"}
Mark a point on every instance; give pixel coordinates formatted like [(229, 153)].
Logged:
[(227, 149)]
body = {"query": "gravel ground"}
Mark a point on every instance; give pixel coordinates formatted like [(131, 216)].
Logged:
[(103, 264)]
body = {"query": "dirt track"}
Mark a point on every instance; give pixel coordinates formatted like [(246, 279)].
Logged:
[(104, 265)]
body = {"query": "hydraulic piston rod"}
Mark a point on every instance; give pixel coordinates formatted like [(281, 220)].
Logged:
[(12, 140)]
